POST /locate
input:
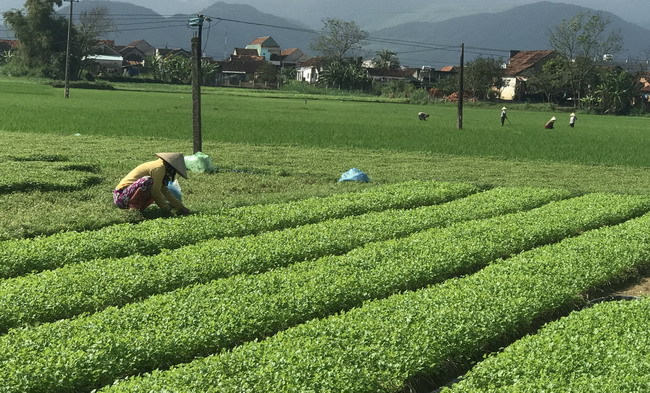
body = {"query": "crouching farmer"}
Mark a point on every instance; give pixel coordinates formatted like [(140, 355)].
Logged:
[(422, 115), (550, 124), (147, 183)]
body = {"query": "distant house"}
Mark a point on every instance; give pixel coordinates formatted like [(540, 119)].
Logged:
[(520, 67), (240, 70), (243, 53), (103, 63), (106, 48), (309, 70), (131, 53), (292, 57), (143, 46), (103, 58), (267, 48), (161, 53), (444, 72)]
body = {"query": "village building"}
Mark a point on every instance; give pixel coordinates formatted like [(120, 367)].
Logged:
[(520, 67), (267, 48)]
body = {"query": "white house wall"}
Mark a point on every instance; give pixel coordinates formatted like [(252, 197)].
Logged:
[(509, 88)]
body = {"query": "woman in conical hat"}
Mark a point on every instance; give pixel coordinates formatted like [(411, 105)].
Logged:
[(549, 124), (147, 183)]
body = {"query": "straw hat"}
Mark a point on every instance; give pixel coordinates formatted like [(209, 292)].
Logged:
[(553, 118), (176, 160), (503, 109), (573, 114)]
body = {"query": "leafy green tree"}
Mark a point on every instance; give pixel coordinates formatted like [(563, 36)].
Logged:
[(448, 85), (346, 74), (617, 91), (287, 74), (42, 35), (551, 81), (386, 59), (209, 72), (339, 39), (582, 41), (483, 75)]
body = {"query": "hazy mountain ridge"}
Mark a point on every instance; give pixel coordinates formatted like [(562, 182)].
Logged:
[(520, 28), (494, 34), (220, 37)]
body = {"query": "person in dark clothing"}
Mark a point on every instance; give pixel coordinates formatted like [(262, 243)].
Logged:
[(503, 115), (549, 124), (422, 115)]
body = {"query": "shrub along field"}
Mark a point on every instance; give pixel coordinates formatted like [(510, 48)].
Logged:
[(285, 280)]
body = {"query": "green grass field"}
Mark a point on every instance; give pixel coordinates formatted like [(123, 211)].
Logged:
[(275, 146), (401, 287), (326, 123)]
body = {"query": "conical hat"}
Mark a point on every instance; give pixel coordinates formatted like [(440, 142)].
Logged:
[(503, 109), (553, 118), (176, 160)]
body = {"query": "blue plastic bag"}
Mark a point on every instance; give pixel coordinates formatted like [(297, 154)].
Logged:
[(354, 174), (175, 189)]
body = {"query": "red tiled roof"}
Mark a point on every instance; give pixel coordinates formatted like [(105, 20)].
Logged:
[(524, 60), (260, 40), (287, 52), (448, 69)]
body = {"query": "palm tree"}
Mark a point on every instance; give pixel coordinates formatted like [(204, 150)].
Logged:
[(616, 92), (386, 59)]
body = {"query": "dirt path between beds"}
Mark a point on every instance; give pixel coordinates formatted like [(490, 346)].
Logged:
[(637, 288)]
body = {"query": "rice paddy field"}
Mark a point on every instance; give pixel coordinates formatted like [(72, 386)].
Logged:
[(470, 258)]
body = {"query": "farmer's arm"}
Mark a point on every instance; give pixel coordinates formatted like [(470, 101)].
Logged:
[(175, 203), (157, 189)]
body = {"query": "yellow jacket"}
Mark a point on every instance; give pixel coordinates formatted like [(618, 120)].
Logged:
[(159, 191)]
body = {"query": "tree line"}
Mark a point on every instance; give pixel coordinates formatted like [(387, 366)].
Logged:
[(576, 74)]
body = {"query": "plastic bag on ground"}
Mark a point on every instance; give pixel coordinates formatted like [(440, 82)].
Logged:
[(354, 174), (175, 188), (200, 162)]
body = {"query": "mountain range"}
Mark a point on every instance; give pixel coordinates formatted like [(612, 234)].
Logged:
[(434, 43)]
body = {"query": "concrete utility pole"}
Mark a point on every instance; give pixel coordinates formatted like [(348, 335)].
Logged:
[(196, 93), (197, 54), (66, 93), (461, 87)]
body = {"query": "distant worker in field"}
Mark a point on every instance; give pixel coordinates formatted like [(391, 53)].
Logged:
[(422, 115), (550, 124), (572, 120), (147, 183), (504, 116)]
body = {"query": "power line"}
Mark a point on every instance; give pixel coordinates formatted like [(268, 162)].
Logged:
[(173, 21)]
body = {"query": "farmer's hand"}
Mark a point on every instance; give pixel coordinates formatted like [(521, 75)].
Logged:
[(184, 211)]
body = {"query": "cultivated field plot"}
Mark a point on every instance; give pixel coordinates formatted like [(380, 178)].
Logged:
[(388, 289), (44, 173)]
